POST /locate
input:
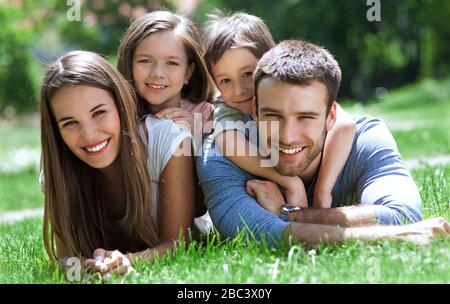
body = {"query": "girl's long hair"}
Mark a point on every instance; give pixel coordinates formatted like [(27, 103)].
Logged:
[(200, 86), (76, 212)]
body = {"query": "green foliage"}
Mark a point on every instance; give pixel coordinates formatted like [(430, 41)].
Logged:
[(409, 42), (18, 86), (102, 23)]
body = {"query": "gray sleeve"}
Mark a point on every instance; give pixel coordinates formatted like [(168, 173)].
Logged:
[(227, 118), (382, 177)]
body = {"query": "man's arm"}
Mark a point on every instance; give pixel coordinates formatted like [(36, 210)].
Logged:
[(268, 194), (230, 206)]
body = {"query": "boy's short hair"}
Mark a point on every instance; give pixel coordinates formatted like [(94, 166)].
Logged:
[(225, 31), (300, 62)]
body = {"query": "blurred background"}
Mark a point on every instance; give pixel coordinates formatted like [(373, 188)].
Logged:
[(396, 68), (409, 43)]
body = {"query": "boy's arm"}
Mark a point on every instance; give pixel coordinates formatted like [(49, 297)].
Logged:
[(336, 151), (234, 146)]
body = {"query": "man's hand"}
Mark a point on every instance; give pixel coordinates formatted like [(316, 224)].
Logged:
[(178, 115), (108, 263), (267, 194)]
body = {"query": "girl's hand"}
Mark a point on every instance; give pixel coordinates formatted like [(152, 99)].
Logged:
[(178, 115), (108, 263)]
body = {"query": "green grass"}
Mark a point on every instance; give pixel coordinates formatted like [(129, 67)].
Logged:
[(240, 260), (418, 117), (20, 190)]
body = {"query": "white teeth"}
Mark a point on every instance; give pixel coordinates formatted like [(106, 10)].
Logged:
[(156, 86), (291, 151), (98, 147)]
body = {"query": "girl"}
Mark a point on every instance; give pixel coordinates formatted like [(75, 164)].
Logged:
[(97, 169), (160, 55)]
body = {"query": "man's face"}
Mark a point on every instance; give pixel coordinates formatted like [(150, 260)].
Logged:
[(301, 114)]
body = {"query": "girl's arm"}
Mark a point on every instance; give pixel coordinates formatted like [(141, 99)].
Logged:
[(177, 188), (336, 150), (229, 141)]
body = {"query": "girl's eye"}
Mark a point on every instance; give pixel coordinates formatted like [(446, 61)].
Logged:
[(144, 61), (97, 113), (247, 74), (172, 63), (225, 81)]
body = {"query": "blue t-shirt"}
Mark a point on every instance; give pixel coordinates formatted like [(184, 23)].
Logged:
[(374, 174)]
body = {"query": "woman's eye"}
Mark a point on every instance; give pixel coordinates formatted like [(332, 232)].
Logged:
[(97, 113), (69, 124)]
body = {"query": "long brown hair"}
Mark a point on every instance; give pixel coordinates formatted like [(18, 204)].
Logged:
[(75, 211), (200, 85)]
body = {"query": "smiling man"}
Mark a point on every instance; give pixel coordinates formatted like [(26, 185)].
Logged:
[(296, 86)]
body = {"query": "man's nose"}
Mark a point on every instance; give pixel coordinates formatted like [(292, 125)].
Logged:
[(289, 133)]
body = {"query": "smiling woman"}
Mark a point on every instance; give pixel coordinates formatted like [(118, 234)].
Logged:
[(107, 181)]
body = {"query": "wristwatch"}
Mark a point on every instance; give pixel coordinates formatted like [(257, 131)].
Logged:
[(286, 210)]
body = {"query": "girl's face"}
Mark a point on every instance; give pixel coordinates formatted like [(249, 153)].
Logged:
[(160, 69), (233, 75), (89, 123)]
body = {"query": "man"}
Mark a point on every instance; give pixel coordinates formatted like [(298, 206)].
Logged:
[(296, 85)]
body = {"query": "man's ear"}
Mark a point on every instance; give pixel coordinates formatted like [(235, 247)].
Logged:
[(254, 112), (331, 118)]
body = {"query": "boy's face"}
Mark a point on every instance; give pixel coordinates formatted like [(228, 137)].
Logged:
[(233, 75)]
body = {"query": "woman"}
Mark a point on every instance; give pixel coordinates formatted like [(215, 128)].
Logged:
[(98, 169)]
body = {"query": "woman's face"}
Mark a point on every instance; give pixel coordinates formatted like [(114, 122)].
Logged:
[(89, 123)]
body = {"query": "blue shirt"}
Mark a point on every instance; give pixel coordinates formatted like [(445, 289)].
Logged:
[(374, 174)]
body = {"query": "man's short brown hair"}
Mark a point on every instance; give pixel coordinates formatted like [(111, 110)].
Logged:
[(300, 62), (226, 31)]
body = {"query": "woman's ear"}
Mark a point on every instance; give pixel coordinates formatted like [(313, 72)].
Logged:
[(189, 72)]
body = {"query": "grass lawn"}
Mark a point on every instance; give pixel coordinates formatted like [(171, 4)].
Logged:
[(418, 117)]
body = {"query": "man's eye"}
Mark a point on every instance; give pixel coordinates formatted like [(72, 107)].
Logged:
[(270, 115)]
